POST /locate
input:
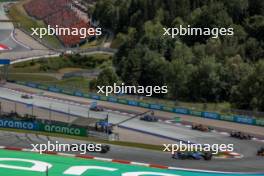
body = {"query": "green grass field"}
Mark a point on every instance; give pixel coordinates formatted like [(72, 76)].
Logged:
[(73, 83), (58, 64), (215, 107), (32, 78), (50, 71)]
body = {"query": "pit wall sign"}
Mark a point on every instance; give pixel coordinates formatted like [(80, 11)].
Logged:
[(35, 126), (63, 129), (4, 123)]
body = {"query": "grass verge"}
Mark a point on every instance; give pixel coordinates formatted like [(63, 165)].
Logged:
[(28, 77), (56, 64)]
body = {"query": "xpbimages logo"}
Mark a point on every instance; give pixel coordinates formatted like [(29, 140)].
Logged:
[(194, 31), (57, 147), (124, 89), (183, 147), (59, 31)]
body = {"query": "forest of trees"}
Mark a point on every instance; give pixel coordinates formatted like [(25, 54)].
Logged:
[(200, 69)]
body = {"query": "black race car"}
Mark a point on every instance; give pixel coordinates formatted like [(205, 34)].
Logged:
[(96, 108), (240, 135), (25, 96), (201, 127), (193, 155), (91, 147), (261, 152), (105, 149), (149, 118)]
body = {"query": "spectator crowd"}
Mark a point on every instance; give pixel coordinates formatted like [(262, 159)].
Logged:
[(60, 13)]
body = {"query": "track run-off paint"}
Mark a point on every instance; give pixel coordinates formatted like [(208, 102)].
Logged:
[(19, 163)]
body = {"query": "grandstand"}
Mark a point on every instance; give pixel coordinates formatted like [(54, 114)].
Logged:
[(60, 13)]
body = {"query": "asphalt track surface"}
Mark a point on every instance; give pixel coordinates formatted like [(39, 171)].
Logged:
[(6, 29), (170, 131), (138, 155), (250, 162)]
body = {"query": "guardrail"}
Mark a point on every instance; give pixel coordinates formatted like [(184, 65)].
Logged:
[(178, 110)]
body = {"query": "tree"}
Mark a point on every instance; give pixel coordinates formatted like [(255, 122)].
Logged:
[(195, 68), (131, 65), (106, 77), (151, 37), (249, 94), (237, 9), (204, 83), (256, 7), (178, 74), (182, 52), (255, 26), (211, 16), (233, 72), (233, 45), (153, 69), (105, 12), (254, 50)]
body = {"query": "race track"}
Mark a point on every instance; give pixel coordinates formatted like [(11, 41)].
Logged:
[(139, 155), (54, 165), (171, 131), (6, 32), (248, 148)]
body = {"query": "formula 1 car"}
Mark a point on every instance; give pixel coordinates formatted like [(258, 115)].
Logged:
[(261, 152), (193, 155), (149, 118), (201, 127), (105, 148), (96, 108), (25, 96), (91, 147), (240, 135)]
